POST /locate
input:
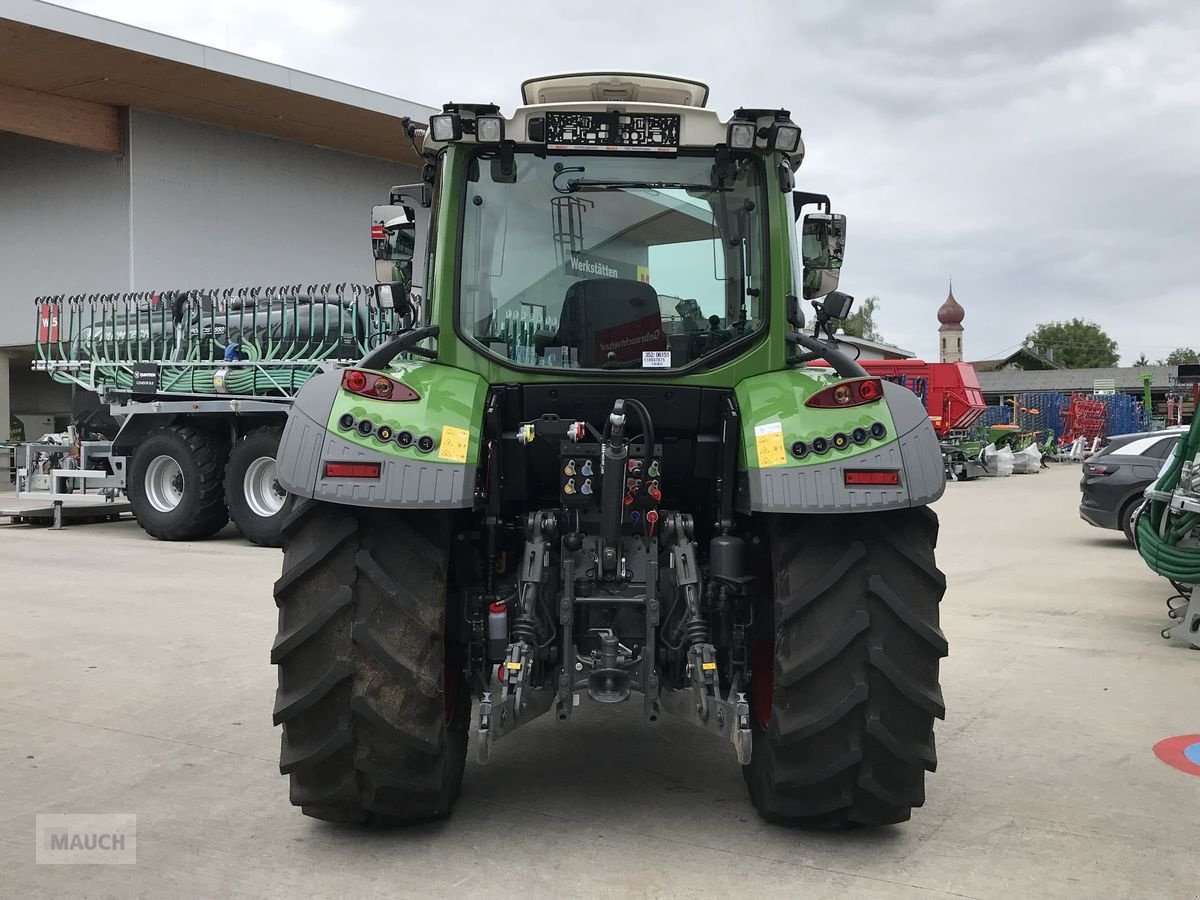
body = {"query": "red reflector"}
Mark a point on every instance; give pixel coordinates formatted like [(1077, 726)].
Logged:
[(871, 476), (352, 470), (354, 381), (377, 233)]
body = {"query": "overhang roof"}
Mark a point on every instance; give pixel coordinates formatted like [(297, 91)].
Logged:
[(1019, 381), (61, 71)]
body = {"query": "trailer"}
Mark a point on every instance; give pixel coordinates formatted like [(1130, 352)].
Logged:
[(954, 401), (194, 388)]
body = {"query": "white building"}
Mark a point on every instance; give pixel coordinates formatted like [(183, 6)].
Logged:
[(134, 161)]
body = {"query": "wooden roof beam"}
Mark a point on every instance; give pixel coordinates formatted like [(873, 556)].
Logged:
[(64, 120)]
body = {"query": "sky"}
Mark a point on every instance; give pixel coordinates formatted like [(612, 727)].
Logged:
[(1042, 154)]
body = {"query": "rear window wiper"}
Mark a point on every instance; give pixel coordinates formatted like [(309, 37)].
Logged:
[(602, 184), (599, 184)]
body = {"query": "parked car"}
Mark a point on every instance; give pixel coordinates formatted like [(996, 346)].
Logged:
[(1115, 477)]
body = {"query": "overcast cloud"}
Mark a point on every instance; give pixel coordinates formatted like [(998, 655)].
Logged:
[(1042, 153)]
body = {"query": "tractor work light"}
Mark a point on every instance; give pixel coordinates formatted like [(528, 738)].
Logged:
[(741, 134), (376, 387), (446, 127), (784, 136), (847, 394), (352, 470), (489, 129)]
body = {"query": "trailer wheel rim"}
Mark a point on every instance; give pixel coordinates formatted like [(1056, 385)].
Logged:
[(164, 483), (264, 496)]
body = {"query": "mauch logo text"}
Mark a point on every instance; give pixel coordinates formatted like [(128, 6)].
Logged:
[(109, 839)]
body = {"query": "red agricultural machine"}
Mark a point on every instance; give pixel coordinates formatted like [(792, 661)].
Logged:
[(950, 391)]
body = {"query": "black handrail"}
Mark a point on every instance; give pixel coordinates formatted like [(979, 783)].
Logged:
[(385, 353), (842, 364)]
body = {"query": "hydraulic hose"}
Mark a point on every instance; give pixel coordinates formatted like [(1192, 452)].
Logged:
[(1157, 535)]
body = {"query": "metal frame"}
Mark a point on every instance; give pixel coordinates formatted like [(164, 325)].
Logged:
[(80, 486)]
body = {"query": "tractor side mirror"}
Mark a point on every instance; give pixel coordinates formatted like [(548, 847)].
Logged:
[(822, 245), (393, 234)]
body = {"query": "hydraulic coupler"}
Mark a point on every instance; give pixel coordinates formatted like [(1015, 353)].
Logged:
[(612, 497)]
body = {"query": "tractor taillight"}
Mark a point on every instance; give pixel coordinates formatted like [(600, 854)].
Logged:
[(377, 232), (844, 394), (352, 470), (377, 387), (871, 477)]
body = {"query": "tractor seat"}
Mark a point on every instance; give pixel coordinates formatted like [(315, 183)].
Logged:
[(610, 319)]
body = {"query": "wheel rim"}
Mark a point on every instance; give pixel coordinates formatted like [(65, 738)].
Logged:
[(264, 496), (164, 483)]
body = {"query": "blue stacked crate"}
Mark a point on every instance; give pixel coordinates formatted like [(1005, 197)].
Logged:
[(997, 415), (1125, 413), (1047, 419)]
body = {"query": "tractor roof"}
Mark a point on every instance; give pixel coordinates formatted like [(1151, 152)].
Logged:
[(614, 87)]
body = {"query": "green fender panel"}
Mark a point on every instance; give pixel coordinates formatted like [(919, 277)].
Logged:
[(774, 417), (451, 402)]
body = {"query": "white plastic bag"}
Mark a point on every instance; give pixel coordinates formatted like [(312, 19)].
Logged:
[(997, 463), (1028, 461)]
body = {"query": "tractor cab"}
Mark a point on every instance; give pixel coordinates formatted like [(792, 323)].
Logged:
[(614, 224)]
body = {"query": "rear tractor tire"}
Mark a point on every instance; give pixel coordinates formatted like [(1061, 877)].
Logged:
[(373, 706), (844, 685), (175, 483), (254, 497)]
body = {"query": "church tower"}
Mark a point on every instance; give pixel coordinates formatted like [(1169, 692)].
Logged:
[(950, 332)]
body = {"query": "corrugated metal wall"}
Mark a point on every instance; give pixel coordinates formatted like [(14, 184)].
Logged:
[(64, 227), (212, 206)]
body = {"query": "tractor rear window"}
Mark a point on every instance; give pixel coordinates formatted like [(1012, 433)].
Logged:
[(611, 263)]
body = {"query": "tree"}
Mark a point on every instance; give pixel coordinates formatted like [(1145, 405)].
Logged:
[(1075, 345), (861, 322), (1141, 361), (1180, 356)]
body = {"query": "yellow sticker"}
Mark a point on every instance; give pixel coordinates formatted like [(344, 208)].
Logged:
[(707, 666), (513, 665), (454, 444), (768, 439)]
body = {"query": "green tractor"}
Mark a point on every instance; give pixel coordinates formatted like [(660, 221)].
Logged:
[(605, 462)]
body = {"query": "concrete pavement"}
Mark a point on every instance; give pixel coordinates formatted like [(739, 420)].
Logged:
[(134, 677)]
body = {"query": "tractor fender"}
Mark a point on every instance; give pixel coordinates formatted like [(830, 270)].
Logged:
[(776, 423), (426, 449)]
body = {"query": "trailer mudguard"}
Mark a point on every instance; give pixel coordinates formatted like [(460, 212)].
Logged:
[(899, 438), (427, 449)]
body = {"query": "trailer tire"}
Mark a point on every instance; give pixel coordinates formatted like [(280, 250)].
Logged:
[(843, 720), (175, 484), (252, 494), (371, 696)]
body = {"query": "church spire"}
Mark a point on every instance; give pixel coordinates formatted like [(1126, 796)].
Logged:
[(950, 314)]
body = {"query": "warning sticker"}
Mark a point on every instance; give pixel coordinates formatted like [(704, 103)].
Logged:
[(768, 440), (656, 359), (454, 444)]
